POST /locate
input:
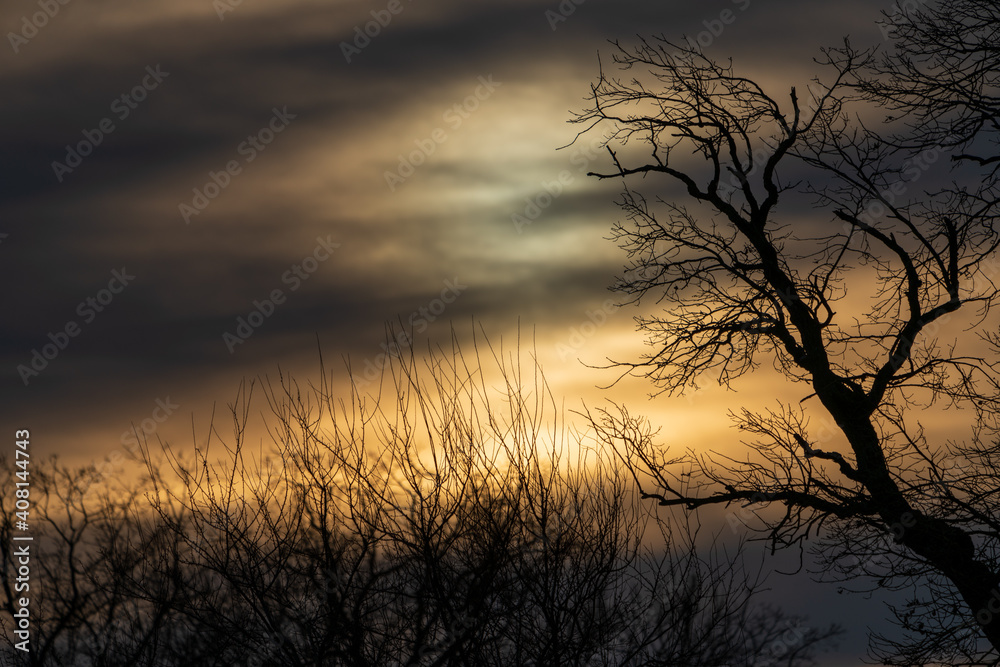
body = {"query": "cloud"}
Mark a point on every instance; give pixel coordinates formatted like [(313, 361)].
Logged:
[(323, 175)]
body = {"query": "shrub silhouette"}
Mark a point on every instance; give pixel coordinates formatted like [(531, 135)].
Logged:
[(458, 522)]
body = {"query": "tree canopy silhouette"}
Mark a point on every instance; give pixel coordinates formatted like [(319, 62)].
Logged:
[(455, 523), (848, 300)]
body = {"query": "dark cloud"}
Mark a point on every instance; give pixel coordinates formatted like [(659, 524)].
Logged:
[(120, 206), (322, 177)]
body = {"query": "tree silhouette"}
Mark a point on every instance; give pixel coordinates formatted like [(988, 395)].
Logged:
[(451, 523), (850, 307), (85, 551), (944, 78)]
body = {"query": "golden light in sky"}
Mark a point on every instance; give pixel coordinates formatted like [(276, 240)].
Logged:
[(423, 171)]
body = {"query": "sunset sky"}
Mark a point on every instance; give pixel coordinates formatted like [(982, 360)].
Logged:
[(238, 150)]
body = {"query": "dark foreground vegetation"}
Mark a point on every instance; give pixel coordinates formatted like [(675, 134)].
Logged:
[(458, 522)]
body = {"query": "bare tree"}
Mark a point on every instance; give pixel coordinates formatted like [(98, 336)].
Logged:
[(747, 286), (449, 524), (943, 78), (455, 525), (84, 548)]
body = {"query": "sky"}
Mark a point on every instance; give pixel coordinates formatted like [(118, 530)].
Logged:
[(196, 192)]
